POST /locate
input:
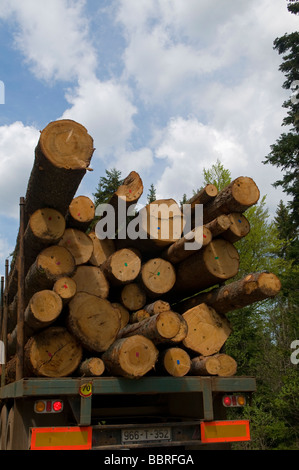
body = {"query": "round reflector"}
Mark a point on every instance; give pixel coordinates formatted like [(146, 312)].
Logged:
[(39, 406), (241, 400), (57, 406), (227, 401)]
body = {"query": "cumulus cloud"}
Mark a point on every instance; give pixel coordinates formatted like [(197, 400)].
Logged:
[(17, 144), (53, 37)]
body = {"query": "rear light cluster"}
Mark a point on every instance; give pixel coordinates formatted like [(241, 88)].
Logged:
[(233, 400), (48, 406)]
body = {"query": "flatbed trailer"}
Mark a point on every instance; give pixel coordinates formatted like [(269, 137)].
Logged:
[(111, 413)]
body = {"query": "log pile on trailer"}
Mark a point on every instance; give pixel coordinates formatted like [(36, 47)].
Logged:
[(122, 306)]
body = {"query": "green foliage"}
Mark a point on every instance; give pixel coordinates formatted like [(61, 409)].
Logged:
[(217, 175), (151, 196), (107, 186)]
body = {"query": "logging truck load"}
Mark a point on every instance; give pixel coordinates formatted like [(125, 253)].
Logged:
[(118, 341)]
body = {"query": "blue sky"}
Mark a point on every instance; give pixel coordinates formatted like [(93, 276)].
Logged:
[(164, 87)]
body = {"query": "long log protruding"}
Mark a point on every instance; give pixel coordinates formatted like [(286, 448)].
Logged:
[(215, 263), (254, 287), (238, 196), (187, 245)]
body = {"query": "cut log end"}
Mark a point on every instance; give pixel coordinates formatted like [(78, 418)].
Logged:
[(44, 307), (47, 225), (175, 361), (53, 352), (66, 144), (131, 357), (133, 297), (81, 212), (92, 367), (221, 259), (131, 189), (91, 279), (56, 260), (245, 191), (227, 365), (158, 276), (65, 287), (78, 244), (102, 249), (122, 267)]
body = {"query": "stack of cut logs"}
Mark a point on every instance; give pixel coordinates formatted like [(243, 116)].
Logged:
[(118, 306)]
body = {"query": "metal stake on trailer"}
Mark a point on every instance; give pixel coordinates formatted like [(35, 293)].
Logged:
[(21, 296), (4, 321)]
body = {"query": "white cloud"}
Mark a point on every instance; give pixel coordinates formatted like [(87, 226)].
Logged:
[(17, 144), (53, 37), (106, 111)]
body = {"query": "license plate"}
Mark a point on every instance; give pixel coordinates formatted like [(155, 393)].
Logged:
[(145, 434)]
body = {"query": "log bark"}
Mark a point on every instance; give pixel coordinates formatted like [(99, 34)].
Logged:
[(66, 288), (53, 352), (254, 287), (122, 267), (92, 367), (62, 156), (215, 263), (161, 328), (92, 280), (133, 297), (157, 307), (131, 357), (207, 330), (239, 227), (174, 361), (205, 365), (81, 213), (157, 277), (182, 248), (238, 196), (93, 321), (78, 243), (218, 225), (102, 249)]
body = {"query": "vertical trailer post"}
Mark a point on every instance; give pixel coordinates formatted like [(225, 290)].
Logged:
[(21, 292), (4, 322), (1, 307)]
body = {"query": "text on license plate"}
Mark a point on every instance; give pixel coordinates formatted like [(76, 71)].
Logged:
[(145, 434)]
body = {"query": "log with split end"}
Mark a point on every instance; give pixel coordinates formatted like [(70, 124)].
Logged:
[(92, 280), (78, 243)]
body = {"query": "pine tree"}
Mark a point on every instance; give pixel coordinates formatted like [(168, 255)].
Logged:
[(285, 152), (151, 197), (107, 186)]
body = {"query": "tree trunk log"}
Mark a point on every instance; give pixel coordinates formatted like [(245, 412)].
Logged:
[(92, 367), (43, 309), (131, 357), (62, 156), (66, 288), (157, 307), (228, 365), (205, 365), (246, 291), (102, 249), (81, 213), (122, 267), (161, 328), (133, 297), (205, 195), (138, 316), (238, 196), (157, 277), (218, 225), (53, 352), (92, 280), (207, 330), (174, 361), (212, 265), (78, 243), (239, 227), (93, 321), (179, 251)]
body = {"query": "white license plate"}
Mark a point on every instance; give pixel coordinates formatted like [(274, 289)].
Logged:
[(145, 434)]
